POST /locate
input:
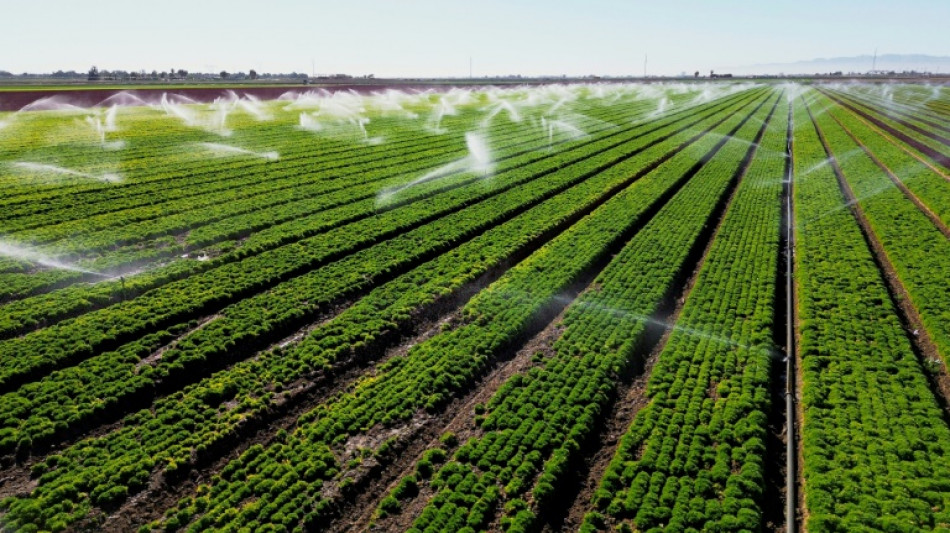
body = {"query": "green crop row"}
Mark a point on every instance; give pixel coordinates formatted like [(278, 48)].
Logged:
[(536, 426), (265, 317), (282, 182), (79, 338), (291, 143), (933, 99), (912, 243), (901, 109), (229, 228), (291, 201), (925, 184), (935, 149), (168, 443), (241, 184), (434, 371), (288, 176), (163, 156), (874, 440), (45, 309), (335, 180), (693, 458), (168, 247), (246, 180), (914, 117), (159, 159)]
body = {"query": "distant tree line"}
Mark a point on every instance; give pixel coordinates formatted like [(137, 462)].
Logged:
[(181, 74), (172, 74)]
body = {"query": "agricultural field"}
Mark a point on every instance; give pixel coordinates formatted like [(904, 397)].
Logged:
[(710, 306)]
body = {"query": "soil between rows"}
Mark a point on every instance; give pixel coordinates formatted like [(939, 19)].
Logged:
[(163, 494)]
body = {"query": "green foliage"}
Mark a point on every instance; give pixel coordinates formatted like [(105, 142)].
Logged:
[(698, 440), (289, 249), (536, 421), (854, 349), (389, 506)]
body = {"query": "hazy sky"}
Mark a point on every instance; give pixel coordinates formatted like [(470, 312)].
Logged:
[(437, 37)]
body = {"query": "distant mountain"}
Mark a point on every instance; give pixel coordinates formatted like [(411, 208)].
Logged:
[(862, 64)]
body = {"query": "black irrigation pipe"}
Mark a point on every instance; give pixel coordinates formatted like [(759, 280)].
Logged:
[(791, 472)]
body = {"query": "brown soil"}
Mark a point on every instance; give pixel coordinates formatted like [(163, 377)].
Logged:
[(156, 356), (458, 418), (298, 399), (15, 473), (16, 481), (776, 474), (631, 398)]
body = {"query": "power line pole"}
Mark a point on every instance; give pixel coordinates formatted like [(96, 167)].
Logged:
[(644, 65), (874, 61), (470, 67)]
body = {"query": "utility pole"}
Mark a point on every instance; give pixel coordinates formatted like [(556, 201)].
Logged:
[(469, 67), (874, 61), (313, 68), (644, 65)]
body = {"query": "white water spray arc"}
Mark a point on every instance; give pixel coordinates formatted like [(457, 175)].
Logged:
[(43, 168), (477, 161), (22, 253)]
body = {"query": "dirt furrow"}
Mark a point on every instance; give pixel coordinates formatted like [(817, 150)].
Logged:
[(459, 419), (302, 396)]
